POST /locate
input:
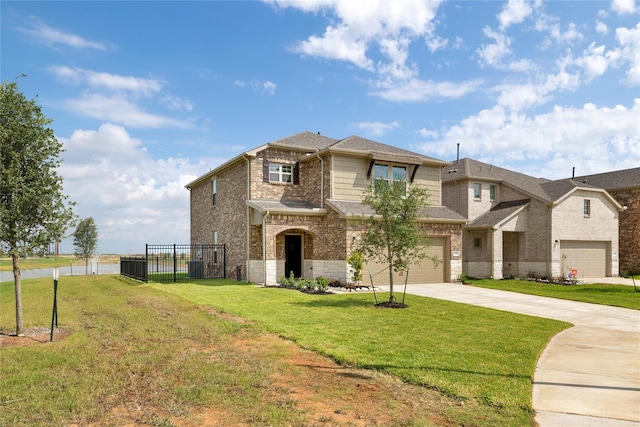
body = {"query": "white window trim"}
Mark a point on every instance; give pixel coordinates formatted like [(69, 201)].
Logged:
[(280, 173), (479, 197), (390, 179), (214, 191), (586, 208)]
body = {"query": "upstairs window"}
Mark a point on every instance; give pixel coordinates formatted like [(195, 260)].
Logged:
[(492, 192), (280, 173), (214, 191), (477, 190), (587, 208), (385, 174)]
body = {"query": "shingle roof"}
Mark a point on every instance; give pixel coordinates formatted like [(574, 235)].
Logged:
[(293, 206), (358, 143), (354, 208), (498, 213), (540, 188), (556, 189), (616, 180), (469, 169), (307, 140)]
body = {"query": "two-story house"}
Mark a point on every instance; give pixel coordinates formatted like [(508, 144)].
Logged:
[(519, 224), (293, 205)]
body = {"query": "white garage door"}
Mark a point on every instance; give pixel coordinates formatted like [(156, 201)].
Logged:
[(421, 272), (589, 258)]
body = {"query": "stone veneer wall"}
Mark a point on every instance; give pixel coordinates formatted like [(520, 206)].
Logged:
[(629, 229)]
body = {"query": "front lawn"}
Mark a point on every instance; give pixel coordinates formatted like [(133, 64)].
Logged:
[(614, 295), (481, 356)]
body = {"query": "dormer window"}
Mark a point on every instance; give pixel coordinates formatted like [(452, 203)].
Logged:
[(280, 173)]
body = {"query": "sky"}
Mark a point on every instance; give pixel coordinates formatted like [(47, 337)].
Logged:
[(146, 96)]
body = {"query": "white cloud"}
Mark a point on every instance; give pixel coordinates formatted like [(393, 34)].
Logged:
[(556, 37), (602, 28), (595, 61), (376, 128), (514, 12), (623, 7), (117, 98), (594, 138), (268, 87), (363, 25), (50, 36), (102, 80), (629, 40), (498, 54), (118, 109), (414, 90), (134, 198)]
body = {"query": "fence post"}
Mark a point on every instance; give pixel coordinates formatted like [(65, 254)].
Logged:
[(175, 264), (146, 263)]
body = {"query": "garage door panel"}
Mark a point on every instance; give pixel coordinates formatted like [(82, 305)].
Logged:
[(588, 257), (423, 271)]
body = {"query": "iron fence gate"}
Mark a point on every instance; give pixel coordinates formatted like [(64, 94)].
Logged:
[(177, 263)]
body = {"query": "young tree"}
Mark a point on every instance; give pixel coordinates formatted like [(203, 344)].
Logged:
[(392, 234), (33, 210), (85, 239)]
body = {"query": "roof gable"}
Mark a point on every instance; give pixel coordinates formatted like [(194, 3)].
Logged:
[(382, 151), (499, 214), (304, 141)]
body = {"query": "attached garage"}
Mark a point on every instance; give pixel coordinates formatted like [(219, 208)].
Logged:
[(421, 272), (590, 258)]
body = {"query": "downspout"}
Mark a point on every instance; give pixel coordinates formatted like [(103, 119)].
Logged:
[(248, 247), (264, 246), (321, 180)]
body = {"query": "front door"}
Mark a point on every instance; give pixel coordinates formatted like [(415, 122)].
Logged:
[(293, 255)]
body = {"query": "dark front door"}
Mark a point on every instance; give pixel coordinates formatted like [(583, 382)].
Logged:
[(293, 255)]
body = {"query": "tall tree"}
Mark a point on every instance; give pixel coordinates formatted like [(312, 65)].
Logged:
[(392, 234), (33, 210), (85, 239)]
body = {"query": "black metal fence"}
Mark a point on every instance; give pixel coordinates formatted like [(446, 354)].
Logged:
[(177, 263), (134, 267)]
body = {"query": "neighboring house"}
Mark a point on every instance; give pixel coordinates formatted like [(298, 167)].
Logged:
[(624, 186), (293, 205), (520, 225)]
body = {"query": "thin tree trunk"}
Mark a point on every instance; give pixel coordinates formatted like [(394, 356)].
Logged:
[(392, 298), (18, 288)]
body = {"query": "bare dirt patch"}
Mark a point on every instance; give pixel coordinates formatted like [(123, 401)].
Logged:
[(325, 393), (31, 337)]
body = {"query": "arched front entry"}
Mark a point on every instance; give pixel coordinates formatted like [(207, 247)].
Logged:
[(294, 252)]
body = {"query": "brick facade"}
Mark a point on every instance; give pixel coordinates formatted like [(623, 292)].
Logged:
[(629, 226), (253, 216)]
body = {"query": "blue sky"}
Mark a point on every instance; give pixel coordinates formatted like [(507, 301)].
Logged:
[(146, 96)]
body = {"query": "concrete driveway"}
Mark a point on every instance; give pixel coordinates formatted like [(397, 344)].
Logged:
[(589, 374)]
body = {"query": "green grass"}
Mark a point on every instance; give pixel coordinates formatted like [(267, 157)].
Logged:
[(478, 355), (156, 353), (132, 350), (614, 295)]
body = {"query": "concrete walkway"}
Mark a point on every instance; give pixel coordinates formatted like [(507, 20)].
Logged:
[(589, 374)]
